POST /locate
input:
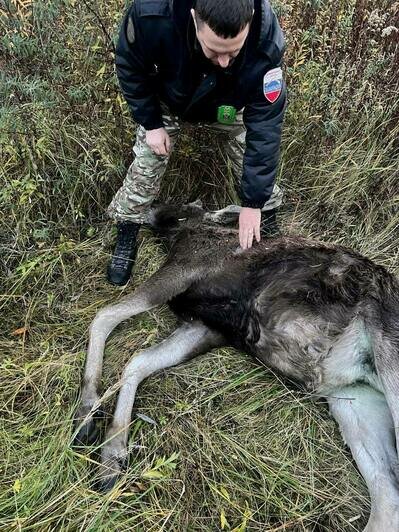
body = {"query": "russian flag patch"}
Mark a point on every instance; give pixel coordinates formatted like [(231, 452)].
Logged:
[(273, 84)]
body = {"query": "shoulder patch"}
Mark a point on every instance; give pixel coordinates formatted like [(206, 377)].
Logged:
[(273, 84), (130, 33)]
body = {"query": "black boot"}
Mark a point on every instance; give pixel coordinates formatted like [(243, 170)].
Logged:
[(120, 267), (268, 224)]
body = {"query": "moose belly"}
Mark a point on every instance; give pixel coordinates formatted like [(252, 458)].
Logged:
[(314, 354), (319, 351)]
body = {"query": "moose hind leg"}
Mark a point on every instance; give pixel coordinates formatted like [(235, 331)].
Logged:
[(191, 339), (367, 427)]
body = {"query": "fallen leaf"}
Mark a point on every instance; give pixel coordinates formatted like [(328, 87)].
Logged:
[(20, 331), (17, 486)]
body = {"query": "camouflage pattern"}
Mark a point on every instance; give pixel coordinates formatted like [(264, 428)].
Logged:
[(143, 179)]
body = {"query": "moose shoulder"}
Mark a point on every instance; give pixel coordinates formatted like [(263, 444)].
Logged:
[(321, 315)]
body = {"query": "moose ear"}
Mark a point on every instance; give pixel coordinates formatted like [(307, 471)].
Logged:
[(196, 203), (163, 218)]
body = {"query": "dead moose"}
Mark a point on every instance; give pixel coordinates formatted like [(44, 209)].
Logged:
[(321, 315)]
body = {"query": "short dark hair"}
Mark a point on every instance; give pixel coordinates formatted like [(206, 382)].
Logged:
[(225, 17)]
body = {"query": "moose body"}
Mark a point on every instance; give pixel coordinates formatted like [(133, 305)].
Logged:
[(321, 315)]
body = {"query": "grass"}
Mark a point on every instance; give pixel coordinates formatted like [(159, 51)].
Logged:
[(232, 448), (249, 449)]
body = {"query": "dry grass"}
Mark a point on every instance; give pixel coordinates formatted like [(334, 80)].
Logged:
[(250, 450), (232, 447)]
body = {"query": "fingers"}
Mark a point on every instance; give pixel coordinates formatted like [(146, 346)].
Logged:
[(242, 239), (249, 226), (167, 144), (243, 236), (159, 149), (250, 237), (257, 233), (159, 141), (246, 236)]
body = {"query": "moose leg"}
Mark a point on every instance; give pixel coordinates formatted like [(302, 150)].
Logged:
[(189, 340), (367, 427), (157, 290)]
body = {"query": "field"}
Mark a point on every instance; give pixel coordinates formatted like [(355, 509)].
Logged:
[(220, 443)]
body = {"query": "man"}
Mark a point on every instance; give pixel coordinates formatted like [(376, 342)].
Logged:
[(214, 62)]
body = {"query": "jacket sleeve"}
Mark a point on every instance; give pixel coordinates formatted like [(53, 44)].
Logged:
[(134, 68), (263, 122)]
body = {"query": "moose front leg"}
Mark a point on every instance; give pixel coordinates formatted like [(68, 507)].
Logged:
[(157, 290), (189, 340), (105, 321)]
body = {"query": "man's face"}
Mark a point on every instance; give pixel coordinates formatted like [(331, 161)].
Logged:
[(218, 50)]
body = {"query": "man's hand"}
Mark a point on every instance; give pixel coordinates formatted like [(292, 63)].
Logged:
[(158, 140), (249, 224)]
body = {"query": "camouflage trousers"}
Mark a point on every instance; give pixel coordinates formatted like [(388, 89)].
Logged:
[(141, 186)]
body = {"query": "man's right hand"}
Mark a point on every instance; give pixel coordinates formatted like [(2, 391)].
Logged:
[(158, 140)]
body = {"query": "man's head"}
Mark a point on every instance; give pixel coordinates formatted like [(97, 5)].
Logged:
[(222, 27)]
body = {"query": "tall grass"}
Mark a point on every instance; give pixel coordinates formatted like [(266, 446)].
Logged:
[(232, 447)]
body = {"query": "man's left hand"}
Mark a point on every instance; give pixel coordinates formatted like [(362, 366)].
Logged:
[(249, 225)]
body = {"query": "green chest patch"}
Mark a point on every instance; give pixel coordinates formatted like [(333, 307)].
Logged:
[(227, 114)]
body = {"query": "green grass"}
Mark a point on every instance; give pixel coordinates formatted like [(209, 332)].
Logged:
[(233, 448)]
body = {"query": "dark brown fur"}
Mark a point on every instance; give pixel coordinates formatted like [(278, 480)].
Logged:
[(321, 315), (243, 295)]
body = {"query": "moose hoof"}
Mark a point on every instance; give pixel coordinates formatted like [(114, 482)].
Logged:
[(88, 432), (113, 464)]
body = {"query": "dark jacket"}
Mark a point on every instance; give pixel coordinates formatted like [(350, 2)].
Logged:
[(157, 61)]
